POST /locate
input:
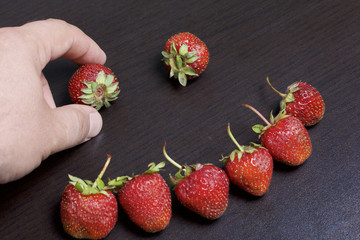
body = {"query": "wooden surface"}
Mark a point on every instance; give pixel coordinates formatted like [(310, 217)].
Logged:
[(287, 40)]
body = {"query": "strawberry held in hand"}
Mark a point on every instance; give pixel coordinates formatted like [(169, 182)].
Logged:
[(185, 56), (303, 101), (146, 198), (285, 137), (204, 189), (249, 167), (88, 210), (94, 85)]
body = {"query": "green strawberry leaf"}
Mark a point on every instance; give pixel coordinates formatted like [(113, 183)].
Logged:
[(271, 118), (88, 84), (282, 105), (109, 79), (104, 192), (154, 168), (294, 89), (105, 103), (183, 49), (171, 73), (192, 59), (165, 54), (86, 90), (189, 71), (78, 187), (255, 145), (249, 149), (189, 55), (257, 128), (88, 182), (99, 184), (74, 180), (289, 97), (182, 78), (173, 50), (178, 174), (101, 77), (84, 191), (119, 181), (233, 154), (179, 61), (94, 86), (172, 63), (112, 87)]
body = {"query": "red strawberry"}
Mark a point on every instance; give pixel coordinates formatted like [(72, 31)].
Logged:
[(88, 210), (185, 56), (303, 101), (94, 85), (146, 199), (249, 167), (204, 189), (285, 137)]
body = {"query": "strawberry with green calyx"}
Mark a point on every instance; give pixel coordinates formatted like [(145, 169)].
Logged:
[(303, 101), (202, 188), (249, 167), (88, 209), (145, 198), (94, 85), (285, 137), (185, 56)]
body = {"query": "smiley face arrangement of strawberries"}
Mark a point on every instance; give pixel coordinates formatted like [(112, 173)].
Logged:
[(89, 209)]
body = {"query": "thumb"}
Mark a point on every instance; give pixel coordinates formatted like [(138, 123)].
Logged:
[(74, 124)]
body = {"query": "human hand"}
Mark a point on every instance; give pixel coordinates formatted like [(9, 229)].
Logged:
[(31, 126)]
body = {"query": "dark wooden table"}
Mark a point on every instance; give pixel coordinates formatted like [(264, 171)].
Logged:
[(287, 40)]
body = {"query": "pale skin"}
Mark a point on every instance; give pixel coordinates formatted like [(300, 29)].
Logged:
[(31, 126)]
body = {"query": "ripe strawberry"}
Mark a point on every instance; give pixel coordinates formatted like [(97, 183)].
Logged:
[(88, 209), (94, 85), (285, 137), (303, 101), (204, 189), (249, 167), (185, 56), (146, 199)]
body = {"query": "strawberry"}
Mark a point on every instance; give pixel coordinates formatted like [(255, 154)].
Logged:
[(185, 56), (202, 188), (146, 199), (285, 137), (249, 167), (303, 101), (88, 209), (94, 85)]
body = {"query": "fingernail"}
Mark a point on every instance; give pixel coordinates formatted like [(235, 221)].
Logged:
[(95, 125)]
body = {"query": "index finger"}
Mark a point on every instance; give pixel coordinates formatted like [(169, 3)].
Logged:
[(55, 38)]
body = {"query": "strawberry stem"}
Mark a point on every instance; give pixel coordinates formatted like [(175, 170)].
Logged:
[(258, 113), (274, 89), (233, 139), (169, 158), (103, 170)]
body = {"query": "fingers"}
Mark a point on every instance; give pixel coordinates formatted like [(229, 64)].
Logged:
[(72, 125), (55, 38), (47, 92), (51, 39)]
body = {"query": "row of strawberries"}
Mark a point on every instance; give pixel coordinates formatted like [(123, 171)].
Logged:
[(89, 209)]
